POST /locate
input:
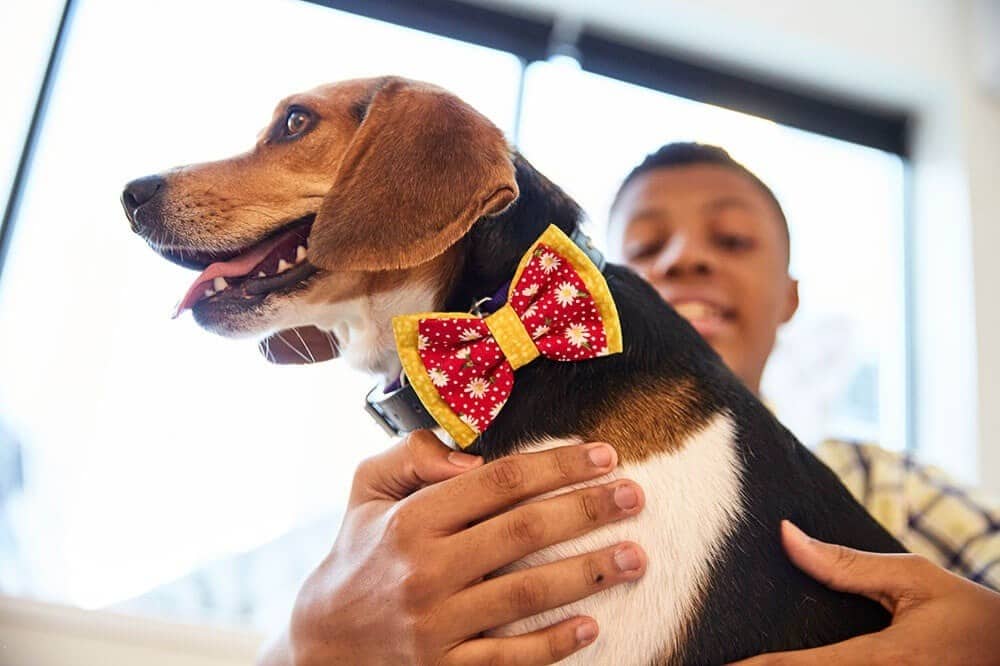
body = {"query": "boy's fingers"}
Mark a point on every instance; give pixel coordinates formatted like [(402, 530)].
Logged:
[(502, 483), (535, 525), (539, 648), (514, 596), (882, 577), (415, 461)]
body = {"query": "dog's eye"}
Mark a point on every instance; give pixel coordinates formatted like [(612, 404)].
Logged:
[(296, 122)]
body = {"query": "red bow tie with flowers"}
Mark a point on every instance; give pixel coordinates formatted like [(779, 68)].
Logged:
[(462, 365)]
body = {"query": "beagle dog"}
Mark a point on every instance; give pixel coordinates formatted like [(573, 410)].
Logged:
[(368, 199)]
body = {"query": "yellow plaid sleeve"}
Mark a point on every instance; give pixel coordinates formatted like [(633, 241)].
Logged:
[(928, 512)]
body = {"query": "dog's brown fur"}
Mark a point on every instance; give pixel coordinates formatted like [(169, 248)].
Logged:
[(363, 166), (661, 416), (415, 139), (232, 203), (366, 181)]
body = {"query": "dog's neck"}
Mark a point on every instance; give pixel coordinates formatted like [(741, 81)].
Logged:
[(486, 258), (495, 245)]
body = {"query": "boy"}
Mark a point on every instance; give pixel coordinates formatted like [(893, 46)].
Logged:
[(713, 240)]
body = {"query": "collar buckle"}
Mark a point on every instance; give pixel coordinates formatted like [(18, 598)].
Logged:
[(398, 412)]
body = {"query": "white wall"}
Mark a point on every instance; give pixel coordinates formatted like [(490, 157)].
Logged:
[(48, 635), (920, 56)]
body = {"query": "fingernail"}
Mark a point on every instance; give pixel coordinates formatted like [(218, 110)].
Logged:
[(626, 559), (601, 455), (797, 533), (463, 460), (626, 497), (586, 632)]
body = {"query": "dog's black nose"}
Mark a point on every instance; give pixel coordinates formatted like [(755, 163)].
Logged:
[(138, 192)]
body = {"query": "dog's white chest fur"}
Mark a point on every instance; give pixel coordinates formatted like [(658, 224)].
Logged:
[(693, 503)]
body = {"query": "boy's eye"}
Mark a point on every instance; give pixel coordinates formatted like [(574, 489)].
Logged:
[(641, 251), (734, 242)]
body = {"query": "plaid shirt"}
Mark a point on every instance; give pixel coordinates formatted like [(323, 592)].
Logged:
[(929, 513)]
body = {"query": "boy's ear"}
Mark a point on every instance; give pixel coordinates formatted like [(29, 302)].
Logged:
[(791, 300), (420, 170)]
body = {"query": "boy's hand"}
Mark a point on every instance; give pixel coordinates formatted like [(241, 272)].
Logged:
[(937, 617), (404, 582)]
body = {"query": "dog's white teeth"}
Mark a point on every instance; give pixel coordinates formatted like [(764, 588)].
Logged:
[(261, 274), (209, 292), (220, 283), (300, 254), (283, 265)]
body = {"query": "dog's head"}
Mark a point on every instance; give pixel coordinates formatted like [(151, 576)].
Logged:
[(353, 199)]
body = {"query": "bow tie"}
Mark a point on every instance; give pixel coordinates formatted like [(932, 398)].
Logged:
[(461, 366)]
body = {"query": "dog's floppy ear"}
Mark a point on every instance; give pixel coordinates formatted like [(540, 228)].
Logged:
[(421, 169)]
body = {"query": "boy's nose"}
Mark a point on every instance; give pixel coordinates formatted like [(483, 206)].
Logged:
[(684, 257)]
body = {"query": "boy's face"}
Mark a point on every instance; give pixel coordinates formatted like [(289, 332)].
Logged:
[(712, 243)]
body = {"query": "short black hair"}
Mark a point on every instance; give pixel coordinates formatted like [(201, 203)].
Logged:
[(689, 153)]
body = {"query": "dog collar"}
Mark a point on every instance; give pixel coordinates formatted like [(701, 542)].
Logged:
[(399, 409)]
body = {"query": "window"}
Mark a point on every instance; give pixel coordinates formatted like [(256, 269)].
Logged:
[(151, 447), (155, 452)]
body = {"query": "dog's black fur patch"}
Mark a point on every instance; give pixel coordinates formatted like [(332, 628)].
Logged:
[(757, 601)]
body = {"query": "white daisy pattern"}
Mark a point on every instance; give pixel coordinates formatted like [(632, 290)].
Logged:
[(470, 421), (566, 293), (495, 409), (530, 290), (422, 342), (464, 353), (577, 335), (438, 377), (539, 331), (470, 334), (548, 262), (477, 387)]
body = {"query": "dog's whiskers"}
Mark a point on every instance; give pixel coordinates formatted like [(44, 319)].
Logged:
[(333, 343), (291, 346), (173, 242), (312, 359), (265, 347)]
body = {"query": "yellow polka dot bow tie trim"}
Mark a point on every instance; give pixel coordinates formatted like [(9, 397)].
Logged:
[(461, 366)]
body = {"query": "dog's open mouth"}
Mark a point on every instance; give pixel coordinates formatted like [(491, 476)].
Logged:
[(277, 262)]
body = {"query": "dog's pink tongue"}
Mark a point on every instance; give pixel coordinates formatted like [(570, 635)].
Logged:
[(236, 267)]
